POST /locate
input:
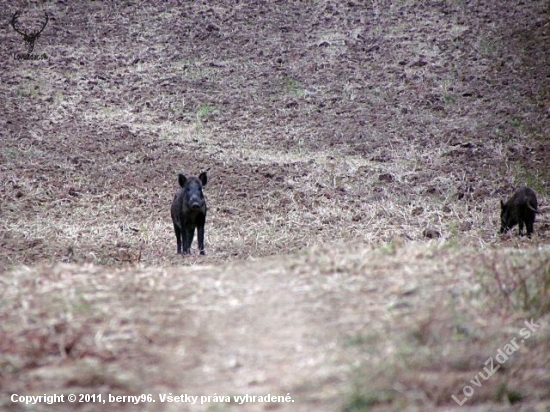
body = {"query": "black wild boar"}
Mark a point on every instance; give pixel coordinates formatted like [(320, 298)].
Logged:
[(520, 209), (189, 212)]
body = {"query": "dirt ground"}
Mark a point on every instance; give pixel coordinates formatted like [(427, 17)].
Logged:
[(356, 151)]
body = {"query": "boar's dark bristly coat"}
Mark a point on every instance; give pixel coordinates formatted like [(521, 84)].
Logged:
[(189, 212), (520, 209)]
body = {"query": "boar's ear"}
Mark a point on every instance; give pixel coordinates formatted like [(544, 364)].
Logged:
[(203, 178), (182, 179), (501, 204)]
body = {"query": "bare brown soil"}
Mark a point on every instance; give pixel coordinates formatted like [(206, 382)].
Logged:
[(357, 151)]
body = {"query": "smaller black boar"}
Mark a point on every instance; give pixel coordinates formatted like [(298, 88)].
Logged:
[(189, 212), (520, 209)]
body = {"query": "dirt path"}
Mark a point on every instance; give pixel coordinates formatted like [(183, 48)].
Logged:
[(262, 323), (275, 328)]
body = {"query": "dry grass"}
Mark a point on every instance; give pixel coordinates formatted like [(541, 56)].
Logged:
[(339, 327)]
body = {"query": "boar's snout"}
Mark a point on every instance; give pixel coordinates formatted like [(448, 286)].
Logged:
[(196, 203), (196, 198)]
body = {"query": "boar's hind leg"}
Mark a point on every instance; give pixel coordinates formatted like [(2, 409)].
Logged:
[(529, 225), (178, 237)]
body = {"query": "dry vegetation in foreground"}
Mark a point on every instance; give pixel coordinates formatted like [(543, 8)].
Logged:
[(338, 136), (341, 329)]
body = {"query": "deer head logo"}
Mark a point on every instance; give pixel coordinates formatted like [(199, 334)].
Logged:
[(31, 37)]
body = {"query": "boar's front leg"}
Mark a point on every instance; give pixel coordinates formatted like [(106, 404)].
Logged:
[(188, 232), (200, 234), (178, 237)]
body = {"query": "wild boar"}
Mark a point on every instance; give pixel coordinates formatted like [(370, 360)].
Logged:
[(520, 209), (189, 212)]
